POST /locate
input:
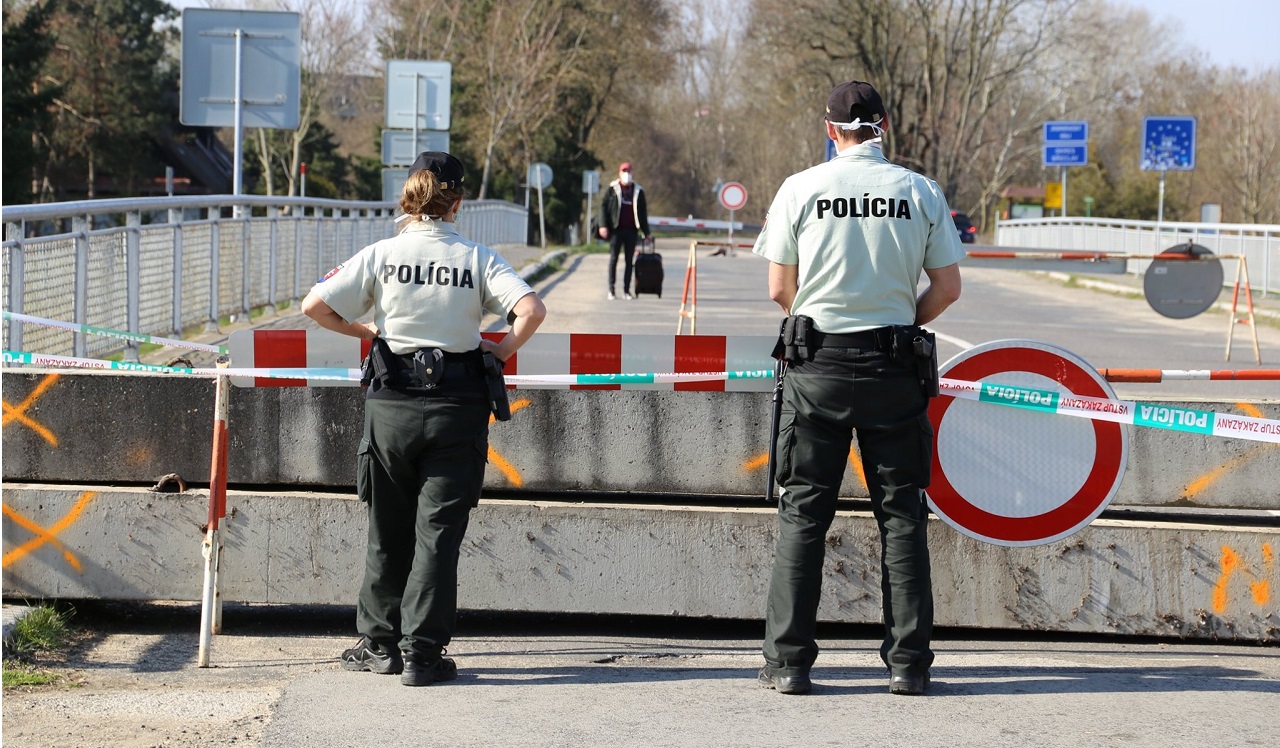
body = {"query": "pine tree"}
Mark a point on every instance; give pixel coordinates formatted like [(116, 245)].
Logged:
[(27, 98)]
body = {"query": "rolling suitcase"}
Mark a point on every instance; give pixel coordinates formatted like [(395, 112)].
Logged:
[(648, 269)]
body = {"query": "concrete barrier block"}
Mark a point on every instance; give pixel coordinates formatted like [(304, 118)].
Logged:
[(1115, 577), (110, 429)]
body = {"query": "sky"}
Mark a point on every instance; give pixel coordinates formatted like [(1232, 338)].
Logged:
[(1240, 33)]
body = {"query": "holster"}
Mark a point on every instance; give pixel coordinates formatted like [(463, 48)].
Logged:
[(381, 364), (917, 346), (796, 339), (497, 386)]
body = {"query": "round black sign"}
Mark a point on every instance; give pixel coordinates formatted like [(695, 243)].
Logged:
[(1183, 281)]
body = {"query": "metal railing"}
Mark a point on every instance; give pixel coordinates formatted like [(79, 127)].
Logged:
[(1259, 244), (163, 266)]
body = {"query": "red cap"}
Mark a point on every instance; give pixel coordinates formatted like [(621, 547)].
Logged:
[(626, 166)]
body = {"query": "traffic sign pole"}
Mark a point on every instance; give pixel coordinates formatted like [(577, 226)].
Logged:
[(238, 170), (417, 107), (1064, 192), (733, 195), (542, 219), (1160, 208), (1065, 144), (1168, 143)]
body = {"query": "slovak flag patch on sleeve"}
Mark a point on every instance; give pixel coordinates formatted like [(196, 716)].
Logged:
[(331, 273)]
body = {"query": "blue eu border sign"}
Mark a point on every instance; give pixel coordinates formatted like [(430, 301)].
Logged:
[(1066, 143), (1168, 143)]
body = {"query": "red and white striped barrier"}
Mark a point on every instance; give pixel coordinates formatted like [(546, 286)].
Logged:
[(545, 353), (294, 349), (693, 223)]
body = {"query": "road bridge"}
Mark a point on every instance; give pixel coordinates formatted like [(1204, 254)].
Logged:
[(646, 501)]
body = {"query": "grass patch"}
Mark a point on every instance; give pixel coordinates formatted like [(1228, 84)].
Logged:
[(44, 631), (44, 628), (19, 675)]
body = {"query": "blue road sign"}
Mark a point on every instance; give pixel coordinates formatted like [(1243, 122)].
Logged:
[(1169, 143), (1066, 155), (1066, 143), (831, 149), (1070, 132)]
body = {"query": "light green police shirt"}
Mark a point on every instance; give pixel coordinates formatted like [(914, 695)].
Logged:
[(861, 230), (428, 287)]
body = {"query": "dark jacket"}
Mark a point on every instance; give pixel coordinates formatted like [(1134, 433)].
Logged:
[(612, 201)]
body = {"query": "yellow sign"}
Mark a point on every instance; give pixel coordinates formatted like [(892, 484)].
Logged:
[(1053, 195)]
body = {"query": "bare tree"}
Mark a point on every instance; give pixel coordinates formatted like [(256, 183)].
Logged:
[(526, 54), (418, 29), (943, 67), (334, 45), (1243, 135)]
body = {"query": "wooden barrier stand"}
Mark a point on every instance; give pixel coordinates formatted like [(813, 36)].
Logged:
[(1242, 276), (689, 297), (211, 548)]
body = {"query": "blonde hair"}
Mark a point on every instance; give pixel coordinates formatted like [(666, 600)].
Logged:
[(424, 197)]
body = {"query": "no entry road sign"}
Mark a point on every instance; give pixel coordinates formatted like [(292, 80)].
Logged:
[(1019, 477), (733, 196)]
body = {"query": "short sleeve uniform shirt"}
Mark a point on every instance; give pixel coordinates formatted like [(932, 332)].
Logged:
[(428, 287), (861, 230)]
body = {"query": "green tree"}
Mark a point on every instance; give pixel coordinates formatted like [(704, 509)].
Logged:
[(27, 98), (329, 173), (110, 60)]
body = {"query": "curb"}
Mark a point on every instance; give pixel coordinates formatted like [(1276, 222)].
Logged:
[(13, 614), (545, 265)]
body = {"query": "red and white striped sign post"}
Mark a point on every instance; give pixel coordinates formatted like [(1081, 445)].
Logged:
[(211, 548)]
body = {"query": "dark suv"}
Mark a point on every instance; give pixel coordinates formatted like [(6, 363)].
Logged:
[(968, 232)]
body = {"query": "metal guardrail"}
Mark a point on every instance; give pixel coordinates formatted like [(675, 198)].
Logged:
[(167, 265), (1259, 244)]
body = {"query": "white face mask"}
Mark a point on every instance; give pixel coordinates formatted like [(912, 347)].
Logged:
[(876, 129), (625, 177)]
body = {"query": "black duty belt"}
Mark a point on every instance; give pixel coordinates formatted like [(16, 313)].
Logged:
[(879, 339), (456, 365)]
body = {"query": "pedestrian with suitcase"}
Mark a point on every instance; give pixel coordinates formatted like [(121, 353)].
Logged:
[(624, 218)]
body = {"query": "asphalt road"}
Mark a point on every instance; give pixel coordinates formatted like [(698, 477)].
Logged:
[(1107, 329)]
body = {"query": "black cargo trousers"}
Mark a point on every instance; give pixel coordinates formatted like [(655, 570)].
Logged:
[(622, 241), (420, 466), (825, 400)]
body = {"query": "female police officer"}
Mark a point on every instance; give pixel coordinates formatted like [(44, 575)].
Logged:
[(421, 461)]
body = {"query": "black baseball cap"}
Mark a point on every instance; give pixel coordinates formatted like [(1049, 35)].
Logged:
[(855, 100), (446, 167)]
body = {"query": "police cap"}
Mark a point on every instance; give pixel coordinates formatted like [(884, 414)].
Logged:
[(855, 100), (446, 167)]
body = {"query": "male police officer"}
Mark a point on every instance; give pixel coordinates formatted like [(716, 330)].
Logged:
[(847, 241)]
